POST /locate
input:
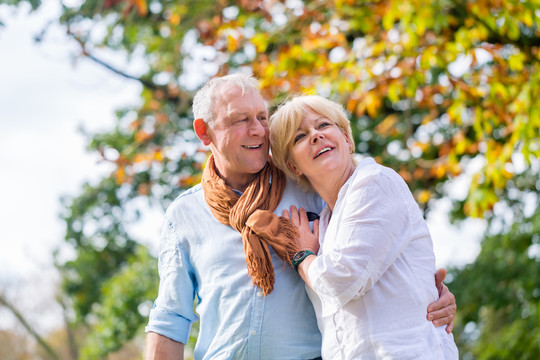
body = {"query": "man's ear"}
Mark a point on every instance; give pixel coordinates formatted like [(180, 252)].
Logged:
[(201, 129), (293, 168)]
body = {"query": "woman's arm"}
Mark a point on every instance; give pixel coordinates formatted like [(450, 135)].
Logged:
[(380, 231), (440, 312)]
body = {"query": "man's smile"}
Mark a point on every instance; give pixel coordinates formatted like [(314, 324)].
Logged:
[(252, 146)]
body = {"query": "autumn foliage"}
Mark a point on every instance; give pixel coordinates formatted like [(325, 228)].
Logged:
[(441, 91)]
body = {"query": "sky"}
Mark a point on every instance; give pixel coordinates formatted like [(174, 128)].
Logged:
[(45, 97)]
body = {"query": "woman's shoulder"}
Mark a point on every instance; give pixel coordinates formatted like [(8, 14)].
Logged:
[(370, 176), (369, 168)]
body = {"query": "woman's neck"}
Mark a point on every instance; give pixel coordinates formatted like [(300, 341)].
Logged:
[(328, 187)]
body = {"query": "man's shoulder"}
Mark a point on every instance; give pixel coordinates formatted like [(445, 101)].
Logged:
[(189, 199), (294, 195), (292, 188)]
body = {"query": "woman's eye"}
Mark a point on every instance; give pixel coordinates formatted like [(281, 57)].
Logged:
[(298, 137), (324, 124)]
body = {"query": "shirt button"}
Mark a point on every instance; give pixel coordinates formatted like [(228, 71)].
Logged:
[(253, 333)]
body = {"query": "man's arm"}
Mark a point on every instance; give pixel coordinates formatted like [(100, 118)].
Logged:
[(442, 311), (159, 347)]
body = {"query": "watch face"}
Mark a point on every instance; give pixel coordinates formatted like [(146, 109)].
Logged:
[(299, 255)]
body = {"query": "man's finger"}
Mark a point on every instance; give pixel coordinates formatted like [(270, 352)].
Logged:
[(446, 299), (450, 327), (443, 321), (439, 277), (446, 312)]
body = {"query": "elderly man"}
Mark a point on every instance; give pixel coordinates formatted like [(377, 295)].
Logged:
[(223, 244)]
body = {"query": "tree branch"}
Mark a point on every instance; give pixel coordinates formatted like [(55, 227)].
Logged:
[(524, 43), (70, 335), (146, 83), (4, 302)]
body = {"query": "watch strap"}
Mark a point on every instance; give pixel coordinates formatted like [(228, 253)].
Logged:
[(299, 257)]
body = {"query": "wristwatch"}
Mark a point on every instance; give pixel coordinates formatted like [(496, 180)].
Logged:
[(299, 257)]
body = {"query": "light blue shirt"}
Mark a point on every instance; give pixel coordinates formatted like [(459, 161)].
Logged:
[(201, 257)]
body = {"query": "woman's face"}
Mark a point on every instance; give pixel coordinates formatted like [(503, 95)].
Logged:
[(319, 147)]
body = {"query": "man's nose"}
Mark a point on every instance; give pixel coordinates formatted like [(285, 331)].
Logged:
[(256, 128)]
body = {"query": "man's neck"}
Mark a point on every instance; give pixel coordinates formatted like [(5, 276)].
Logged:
[(238, 183)]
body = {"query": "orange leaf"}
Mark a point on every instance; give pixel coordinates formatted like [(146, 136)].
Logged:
[(120, 175), (142, 7)]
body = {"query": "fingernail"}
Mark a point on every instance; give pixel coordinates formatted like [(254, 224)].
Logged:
[(430, 317)]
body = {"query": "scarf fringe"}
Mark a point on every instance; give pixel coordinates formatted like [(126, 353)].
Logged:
[(288, 230), (261, 272)]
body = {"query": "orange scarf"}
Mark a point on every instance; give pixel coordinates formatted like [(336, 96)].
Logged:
[(252, 215)]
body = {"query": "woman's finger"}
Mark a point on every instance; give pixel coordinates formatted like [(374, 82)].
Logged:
[(285, 214)]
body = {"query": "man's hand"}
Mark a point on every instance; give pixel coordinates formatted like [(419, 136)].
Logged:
[(442, 311), (159, 347)]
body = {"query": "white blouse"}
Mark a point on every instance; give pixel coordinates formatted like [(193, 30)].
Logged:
[(374, 274)]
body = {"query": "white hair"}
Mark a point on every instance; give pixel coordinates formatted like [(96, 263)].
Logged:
[(204, 100)]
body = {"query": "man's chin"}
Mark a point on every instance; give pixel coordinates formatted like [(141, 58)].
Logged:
[(254, 168)]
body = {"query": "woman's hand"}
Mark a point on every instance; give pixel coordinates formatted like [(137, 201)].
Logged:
[(308, 239)]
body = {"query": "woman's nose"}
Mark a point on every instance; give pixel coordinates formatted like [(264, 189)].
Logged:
[(316, 136)]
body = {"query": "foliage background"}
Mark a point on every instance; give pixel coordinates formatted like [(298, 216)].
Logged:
[(430, 86)]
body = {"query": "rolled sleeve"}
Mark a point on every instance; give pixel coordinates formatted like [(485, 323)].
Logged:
[(173, 326), (172, 314)]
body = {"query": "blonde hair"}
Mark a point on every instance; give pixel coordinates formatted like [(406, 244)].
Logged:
[(286, 120)]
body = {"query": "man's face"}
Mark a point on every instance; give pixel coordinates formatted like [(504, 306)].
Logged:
[(239, 135)]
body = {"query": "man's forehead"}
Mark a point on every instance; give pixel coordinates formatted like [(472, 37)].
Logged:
[(232, 99)]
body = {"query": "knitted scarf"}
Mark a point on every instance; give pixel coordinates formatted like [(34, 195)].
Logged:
[(252, 215)]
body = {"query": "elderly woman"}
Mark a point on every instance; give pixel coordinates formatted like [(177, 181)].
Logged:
[(369, 262)]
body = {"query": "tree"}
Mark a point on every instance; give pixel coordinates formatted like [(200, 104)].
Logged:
[(431, 87), (499, 296), (9, 338), (13, 346)]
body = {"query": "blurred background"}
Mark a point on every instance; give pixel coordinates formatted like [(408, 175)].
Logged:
[(96, 141)]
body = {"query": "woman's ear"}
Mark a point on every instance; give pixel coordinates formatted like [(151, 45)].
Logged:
[(293, 168), (349, 142), (201, 129)]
